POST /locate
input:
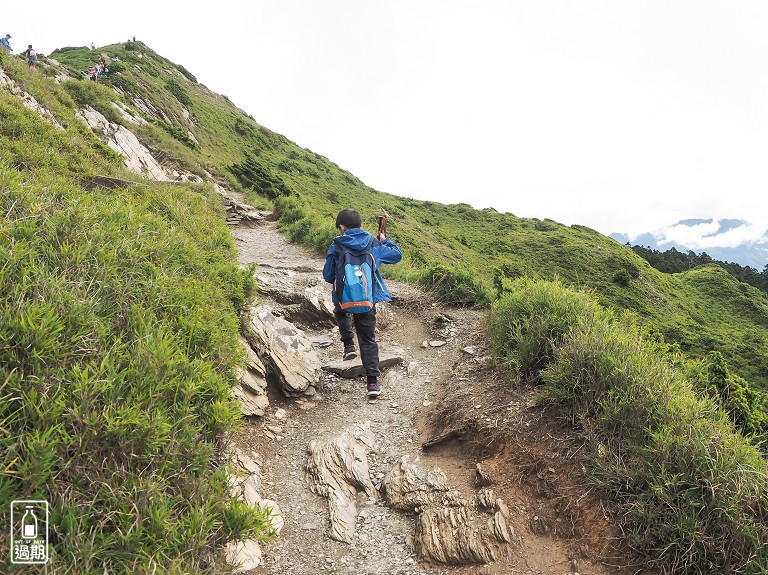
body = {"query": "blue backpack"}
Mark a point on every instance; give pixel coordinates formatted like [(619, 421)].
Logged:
[(354, 278)]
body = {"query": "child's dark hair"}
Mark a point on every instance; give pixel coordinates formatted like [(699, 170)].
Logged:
[(349, 219)]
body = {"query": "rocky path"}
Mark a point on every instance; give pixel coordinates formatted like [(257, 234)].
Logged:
[(357, 491)]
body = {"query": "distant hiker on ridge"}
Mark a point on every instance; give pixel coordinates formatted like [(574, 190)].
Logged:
[(31, 57), (351, 265), (5, 43)]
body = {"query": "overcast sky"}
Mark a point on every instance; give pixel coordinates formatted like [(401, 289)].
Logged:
[(621, 116)]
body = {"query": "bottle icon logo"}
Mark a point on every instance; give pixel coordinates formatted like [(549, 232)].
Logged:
[(29, 523), (29, 532)]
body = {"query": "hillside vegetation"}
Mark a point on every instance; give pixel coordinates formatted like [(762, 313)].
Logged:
[(689, 486), (673, 261), (118, 337), (120, 320)]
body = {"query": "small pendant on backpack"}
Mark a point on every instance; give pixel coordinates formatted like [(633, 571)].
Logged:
[(359, 272)]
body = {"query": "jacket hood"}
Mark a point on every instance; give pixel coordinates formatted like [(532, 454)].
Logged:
[(355, 238)]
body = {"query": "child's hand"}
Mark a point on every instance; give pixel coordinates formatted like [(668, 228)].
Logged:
[(381, 237)]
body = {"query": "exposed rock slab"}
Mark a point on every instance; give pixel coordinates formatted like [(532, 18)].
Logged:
[(250, 403), (243, 555), (286, 351), (255, 365), (317, 305), (354, 367), (448, 528), (245, 484), (28, 99), (237, 211), (251, 387), (307, 298), (409, 487), (138, 158), (456, 536), (338, 470)]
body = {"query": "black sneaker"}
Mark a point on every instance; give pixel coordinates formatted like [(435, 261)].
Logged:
[(349, 352), (373, 390)]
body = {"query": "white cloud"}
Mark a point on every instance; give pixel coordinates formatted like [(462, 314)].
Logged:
[(704, 235)]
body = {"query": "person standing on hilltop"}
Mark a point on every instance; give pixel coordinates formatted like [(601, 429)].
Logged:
[(379, 250), (5, 43), (31, 57)]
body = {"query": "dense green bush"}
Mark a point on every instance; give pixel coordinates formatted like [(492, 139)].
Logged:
[(179, 93), (527, 324), (187, 74), (116, 66), (747, 407), (622, 277), (289, 210), (256, 175), (178, 133), (454, 286), (122, 82)]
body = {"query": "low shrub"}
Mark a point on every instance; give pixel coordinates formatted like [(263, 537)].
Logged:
[(621, 277), (123, 82), (257, 175), (529, 321), (186, 73), (746, 406), (454, 286), (99, 97), (179, 134), (178, 92)]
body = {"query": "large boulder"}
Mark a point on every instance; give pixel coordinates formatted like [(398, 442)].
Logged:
[(288, 355)]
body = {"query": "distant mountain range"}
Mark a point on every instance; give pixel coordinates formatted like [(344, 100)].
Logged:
[(727, 240)]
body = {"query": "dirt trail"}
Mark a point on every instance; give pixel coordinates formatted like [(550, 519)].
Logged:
[(559, 526)]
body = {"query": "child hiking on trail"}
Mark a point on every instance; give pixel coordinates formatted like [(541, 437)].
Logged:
[(359, 317)]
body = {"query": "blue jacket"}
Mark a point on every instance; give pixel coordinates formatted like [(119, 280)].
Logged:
[(385, 252), (6, 44)]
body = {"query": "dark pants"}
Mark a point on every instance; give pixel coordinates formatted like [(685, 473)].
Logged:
[(365, 326)]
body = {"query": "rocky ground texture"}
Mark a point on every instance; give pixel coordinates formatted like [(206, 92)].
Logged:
[(449, 471)]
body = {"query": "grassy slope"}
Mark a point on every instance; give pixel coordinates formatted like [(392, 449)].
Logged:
[(687, 486), (118, 337)]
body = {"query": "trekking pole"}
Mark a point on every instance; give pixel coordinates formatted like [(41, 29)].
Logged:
[(383, 222)]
